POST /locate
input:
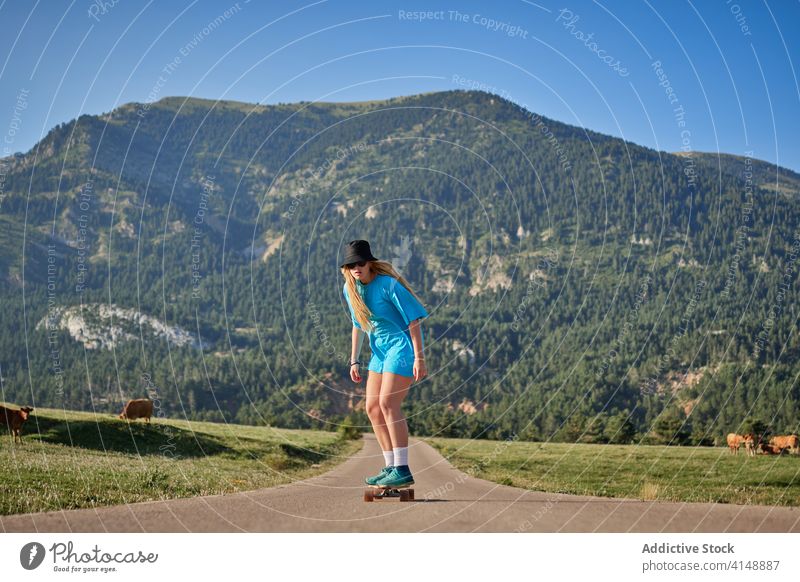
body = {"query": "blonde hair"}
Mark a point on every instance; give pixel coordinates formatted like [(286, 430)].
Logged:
[(360, 309)]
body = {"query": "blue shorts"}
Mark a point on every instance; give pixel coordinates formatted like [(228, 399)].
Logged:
[(396, 357)]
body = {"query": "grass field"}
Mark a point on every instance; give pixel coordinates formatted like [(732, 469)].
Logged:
[(702, 474), (75, 459)]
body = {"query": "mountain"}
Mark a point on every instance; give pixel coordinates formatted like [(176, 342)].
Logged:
[(573, 279)]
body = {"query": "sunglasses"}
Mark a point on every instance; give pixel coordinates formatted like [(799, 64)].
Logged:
[(359, 263)]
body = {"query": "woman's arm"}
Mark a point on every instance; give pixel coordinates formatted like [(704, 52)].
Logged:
[(357, 343), (420, 368), (416, 338)]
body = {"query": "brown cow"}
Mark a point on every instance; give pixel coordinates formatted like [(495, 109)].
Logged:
[(734, 442), (790, 442), (750, 445), (766, 449), (140, 408), (14, 419)]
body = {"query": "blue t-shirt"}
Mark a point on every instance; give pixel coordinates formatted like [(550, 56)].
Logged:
[(393, 307)]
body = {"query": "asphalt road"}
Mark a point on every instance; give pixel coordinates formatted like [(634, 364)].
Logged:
[(447, 500)]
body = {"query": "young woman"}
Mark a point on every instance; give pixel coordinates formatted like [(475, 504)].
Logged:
[(383, 305)]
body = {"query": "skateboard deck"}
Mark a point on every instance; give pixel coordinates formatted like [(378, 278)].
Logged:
[(402, 492)]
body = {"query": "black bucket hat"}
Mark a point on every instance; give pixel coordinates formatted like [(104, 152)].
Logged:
[(356, 251)]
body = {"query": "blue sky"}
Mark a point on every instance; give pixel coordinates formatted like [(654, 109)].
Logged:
[(732, 66)]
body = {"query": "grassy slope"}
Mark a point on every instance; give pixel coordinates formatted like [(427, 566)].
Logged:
[(78, 459), (703, 474)]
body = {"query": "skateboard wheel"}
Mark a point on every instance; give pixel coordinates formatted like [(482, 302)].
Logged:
[(368, 496), (411, 494), (404, 495)]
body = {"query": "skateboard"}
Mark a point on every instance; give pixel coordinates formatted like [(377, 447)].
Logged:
[(403, 492)]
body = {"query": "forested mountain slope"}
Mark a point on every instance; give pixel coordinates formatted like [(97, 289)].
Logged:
[(579, 285)]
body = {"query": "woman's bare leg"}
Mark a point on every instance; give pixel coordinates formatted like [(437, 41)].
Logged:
[(374, 411), (392, 392)]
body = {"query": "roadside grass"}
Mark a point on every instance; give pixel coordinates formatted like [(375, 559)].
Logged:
[(72, 460), (701, 474)]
